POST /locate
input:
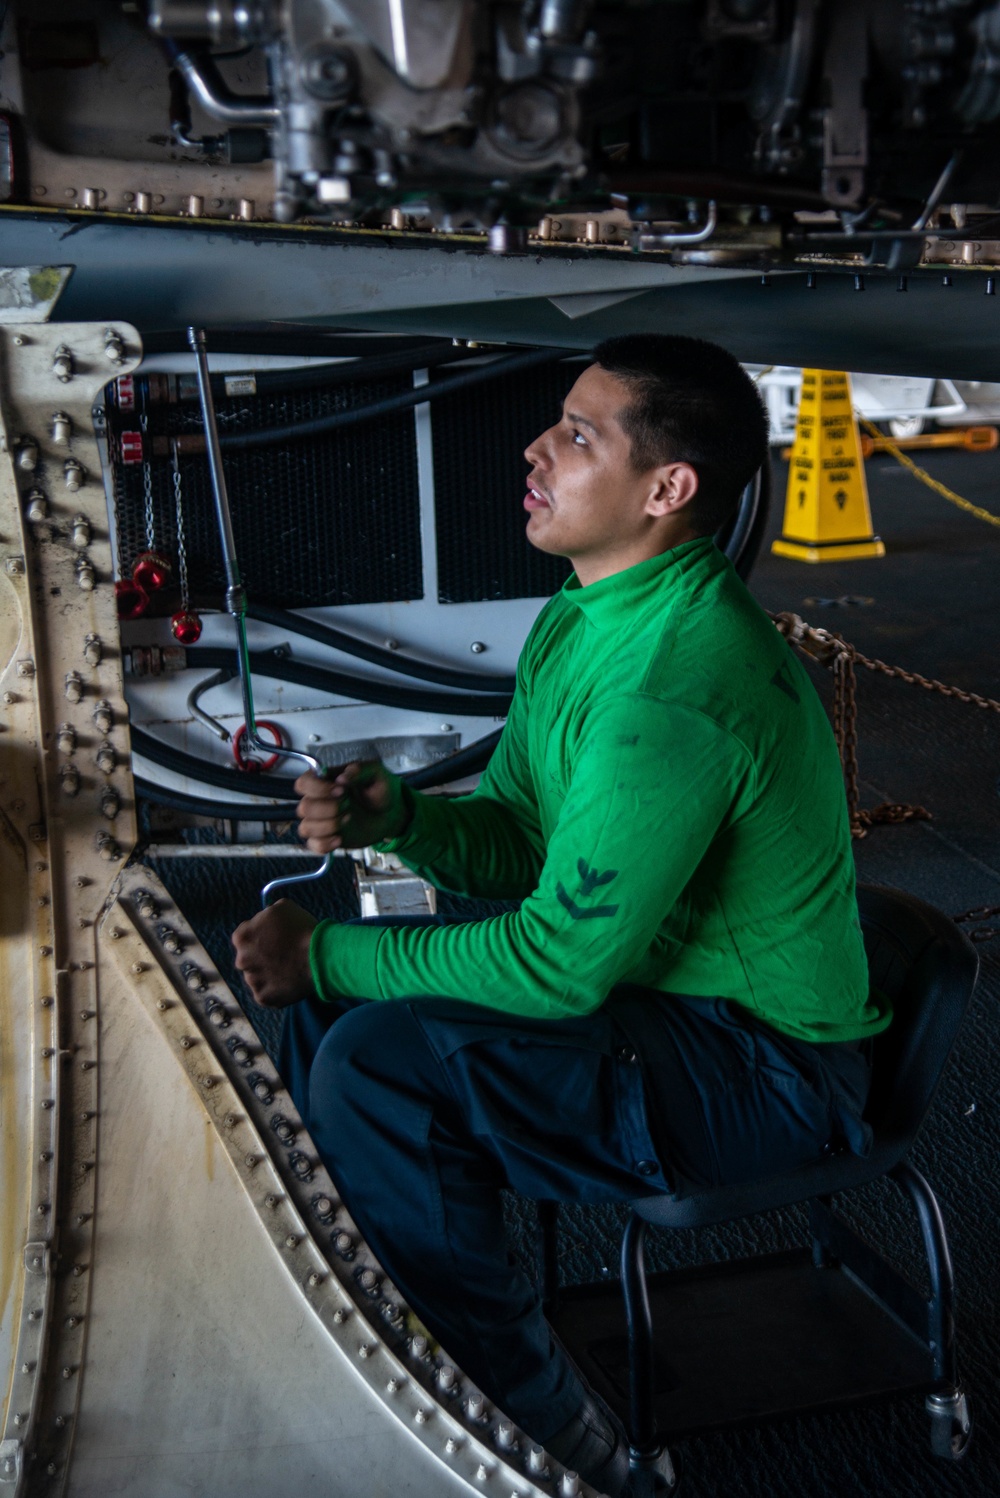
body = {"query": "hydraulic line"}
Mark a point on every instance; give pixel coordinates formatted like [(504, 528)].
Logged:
[(468, 761), (450, 385), (325, 634), (320, 679)]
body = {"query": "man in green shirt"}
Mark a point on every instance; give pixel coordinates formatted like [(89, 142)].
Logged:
[(681, 997)]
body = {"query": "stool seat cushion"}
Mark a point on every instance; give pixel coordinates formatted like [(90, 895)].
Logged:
[(928, 968)]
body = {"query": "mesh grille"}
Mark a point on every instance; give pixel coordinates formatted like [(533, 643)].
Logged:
[(479, 438), (333, 519)]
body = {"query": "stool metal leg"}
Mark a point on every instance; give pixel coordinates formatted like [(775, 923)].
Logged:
[(947, 1405), (640, 1340)]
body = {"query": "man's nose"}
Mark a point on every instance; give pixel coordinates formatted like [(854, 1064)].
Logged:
[(536, 453)]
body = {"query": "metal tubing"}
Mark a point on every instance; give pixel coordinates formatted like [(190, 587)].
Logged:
[(217, 679), (639, 1321), (654, 241), (217, 100), (236, 600), (941, 1306)]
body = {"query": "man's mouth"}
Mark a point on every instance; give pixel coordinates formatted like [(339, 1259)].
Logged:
[(535, 499)]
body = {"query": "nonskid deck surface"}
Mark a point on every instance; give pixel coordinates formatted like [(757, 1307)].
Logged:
[(933, 605)]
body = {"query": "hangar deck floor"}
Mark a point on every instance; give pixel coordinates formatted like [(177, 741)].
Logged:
[(930, 605)]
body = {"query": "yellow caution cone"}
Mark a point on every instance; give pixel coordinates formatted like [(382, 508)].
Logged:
[(827, 517)]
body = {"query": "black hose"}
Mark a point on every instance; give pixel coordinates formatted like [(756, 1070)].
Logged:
[(386, 694), (509, 364), (325, 634), (468, 761), (231, 811)]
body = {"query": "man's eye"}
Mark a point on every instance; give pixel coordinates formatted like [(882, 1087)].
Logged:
[(579, 439)]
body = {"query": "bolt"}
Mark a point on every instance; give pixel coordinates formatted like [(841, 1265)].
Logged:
[(271, 1201), (250, 1161), (74, 475), (10, 698), (45, 1156), (110, 804), (82, 882), (145, 904), (27, 455), (160, 1003), (18, 1420), (171, 941), (106, 759), (34, 1315), (340, 1316), (37, 506), (314, 1280), (446, 728), (421, 1417), (474, 1405), (48, 1103), (451, 1445), (87, 1066), (92, 650), (477, 647), (108, 849), (482, 1472), (73, 687), (391, 644), (143, 202), (418, 1345), (47, 1002), (62, 364), (66, 744), (446, 1377), (140, 967), (364, 1350), (72, 1321), (195, 205), (208, 1082), (322, 1206), (392, 1387), (291, 1241), (86, 578), (186, 1042), (192, 976), (570, 1485), (114, 349), (368, 1279), (80, 534), (68, 1371), (343, 1242), (14, 567), (103, 717)]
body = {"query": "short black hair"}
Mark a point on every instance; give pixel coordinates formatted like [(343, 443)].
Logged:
[(691, 402)]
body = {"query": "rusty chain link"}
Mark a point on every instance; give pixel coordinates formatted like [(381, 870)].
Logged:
[(833, 650)]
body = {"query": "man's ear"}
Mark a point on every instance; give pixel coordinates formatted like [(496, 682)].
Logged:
[(674, 486)]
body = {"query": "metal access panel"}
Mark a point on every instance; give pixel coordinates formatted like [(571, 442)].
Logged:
[(185, 1302)]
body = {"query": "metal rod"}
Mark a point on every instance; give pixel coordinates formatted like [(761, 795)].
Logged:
[(236, 598)]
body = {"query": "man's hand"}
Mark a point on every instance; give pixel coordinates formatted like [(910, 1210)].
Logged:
[(360, 805), (272, 953)]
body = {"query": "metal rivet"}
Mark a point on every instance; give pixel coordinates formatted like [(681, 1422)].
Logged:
[(474, 1405), (140, 967), (208, 1082), (162, 1004), (421, 1416), (340, 1316), (78, 1269), (271, 1201), (47, 1001), (48, 1103), (477, 647), (446, 1377), (68, 1372), (60, 1421), (291, 1241), (315, 1279), (364, 1350), (368, 1279), (45, 1156), (570, 1485), (186, 1042), (451, 1445), (250, 1161), (482, 1472), (45, 951)]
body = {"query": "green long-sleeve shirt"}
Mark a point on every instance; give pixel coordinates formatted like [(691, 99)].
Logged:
[(665, 800)]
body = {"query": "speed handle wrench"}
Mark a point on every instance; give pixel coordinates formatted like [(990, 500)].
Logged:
[(236, 598)]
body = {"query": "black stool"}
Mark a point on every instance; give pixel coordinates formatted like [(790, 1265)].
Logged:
[(826, 1300)]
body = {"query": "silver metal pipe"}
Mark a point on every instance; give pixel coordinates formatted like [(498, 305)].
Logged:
[(236, 598), (217, 679), (219, 102), (653, 241)]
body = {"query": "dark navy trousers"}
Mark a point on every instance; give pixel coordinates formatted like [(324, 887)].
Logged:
[(423, 1108)]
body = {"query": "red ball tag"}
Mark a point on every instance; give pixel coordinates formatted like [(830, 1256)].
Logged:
[(132, 600), (152, 571), (185, 627)]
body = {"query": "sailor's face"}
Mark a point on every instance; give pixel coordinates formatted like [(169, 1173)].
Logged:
[(584, 496)]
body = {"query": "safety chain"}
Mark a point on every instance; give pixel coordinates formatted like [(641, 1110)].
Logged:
[(147, 488), (833, 650), (182, 561)]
